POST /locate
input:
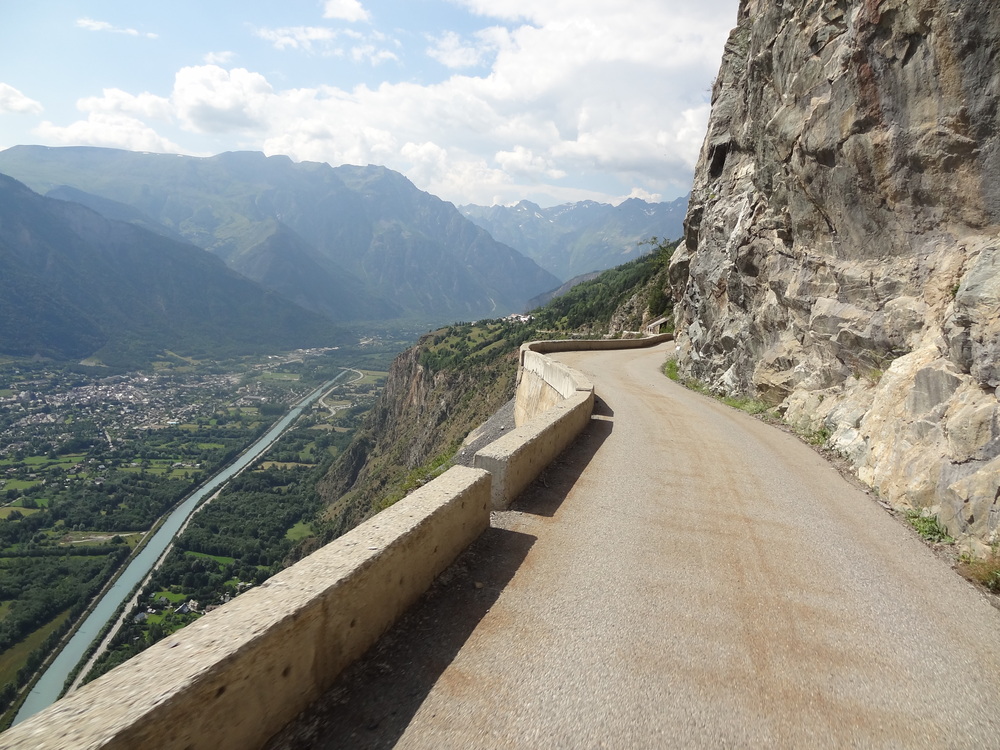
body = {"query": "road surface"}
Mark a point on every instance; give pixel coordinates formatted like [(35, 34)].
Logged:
[(684, 576)]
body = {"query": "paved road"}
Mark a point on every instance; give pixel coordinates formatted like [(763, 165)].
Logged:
[(685, 576)]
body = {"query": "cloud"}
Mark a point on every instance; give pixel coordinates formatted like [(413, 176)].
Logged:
[(452, 51), (116, 101), (297, 37), (91, 25), (13, 101), (521, 161), (219, 58), (550, 101), (107, 129), (369, 53), (345, 10), (210, 99)]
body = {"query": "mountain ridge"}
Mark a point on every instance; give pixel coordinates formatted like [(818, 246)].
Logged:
[(75, 284), (231, 204), (574, 239)]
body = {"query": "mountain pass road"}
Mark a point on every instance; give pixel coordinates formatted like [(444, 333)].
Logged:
[(684, 576)]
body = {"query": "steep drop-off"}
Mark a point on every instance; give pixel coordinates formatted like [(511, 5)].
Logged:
[(422, 415), (842, 252)]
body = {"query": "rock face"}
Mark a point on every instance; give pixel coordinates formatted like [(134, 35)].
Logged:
[(842, 251)]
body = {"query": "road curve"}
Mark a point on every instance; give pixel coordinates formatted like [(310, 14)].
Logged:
[(690, 577)]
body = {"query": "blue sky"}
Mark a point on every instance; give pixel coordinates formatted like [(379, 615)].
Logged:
[(474, 101)]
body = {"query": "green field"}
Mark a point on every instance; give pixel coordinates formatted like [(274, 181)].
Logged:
[(371, 377), (299, 531), (279, 376), (218, 558), (7, 510), (13, 659), (170, 596), (41, 502), (21, 484)]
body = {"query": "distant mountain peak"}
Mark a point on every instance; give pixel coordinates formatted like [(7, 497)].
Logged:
[(572, 239)]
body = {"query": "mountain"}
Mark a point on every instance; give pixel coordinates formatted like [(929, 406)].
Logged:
[(74, 284), (579, 238), (352, 243), (842, 254), (546, 297)]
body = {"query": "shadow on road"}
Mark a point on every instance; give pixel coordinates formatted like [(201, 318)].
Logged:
[(602, 408), (372, 703), (544, 496)]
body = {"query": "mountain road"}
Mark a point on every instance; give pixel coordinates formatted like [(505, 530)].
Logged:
[(684, 576)]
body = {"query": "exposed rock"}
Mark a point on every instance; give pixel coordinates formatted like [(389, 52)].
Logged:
[(841, 252)]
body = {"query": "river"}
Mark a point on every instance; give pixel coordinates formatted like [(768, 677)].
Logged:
[(50, 685)]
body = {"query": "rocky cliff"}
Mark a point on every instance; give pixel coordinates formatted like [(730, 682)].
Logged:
[(422, 415), (842, 251)]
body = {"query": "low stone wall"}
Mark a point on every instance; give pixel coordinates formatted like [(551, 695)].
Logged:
[(518, 457), (238, 675)]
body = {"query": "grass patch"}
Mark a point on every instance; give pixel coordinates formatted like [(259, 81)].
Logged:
[(749, 405), (170, 596), (221, 559), (372, 377), (14, 658), (41, 502), (21, 484), (281, 465), (267, 375), (6, 511), (928, 527), (301, 530), (984, 571), (670, 370)]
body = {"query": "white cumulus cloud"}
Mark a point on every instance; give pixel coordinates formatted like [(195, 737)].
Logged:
[(143, 105), (109, 129), (12, 100), (211, 99), (345, 10)]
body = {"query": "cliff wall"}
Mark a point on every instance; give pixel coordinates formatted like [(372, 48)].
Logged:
[(841, 252), (421, 415)]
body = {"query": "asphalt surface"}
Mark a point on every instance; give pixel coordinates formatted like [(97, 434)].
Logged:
[(684, 576)]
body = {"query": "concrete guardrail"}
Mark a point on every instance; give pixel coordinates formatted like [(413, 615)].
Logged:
[(238, 675)]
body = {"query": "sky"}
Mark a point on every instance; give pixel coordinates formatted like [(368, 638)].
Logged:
[(476, 101)]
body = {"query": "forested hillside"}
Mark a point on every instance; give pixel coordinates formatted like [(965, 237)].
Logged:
[(75, 284)]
